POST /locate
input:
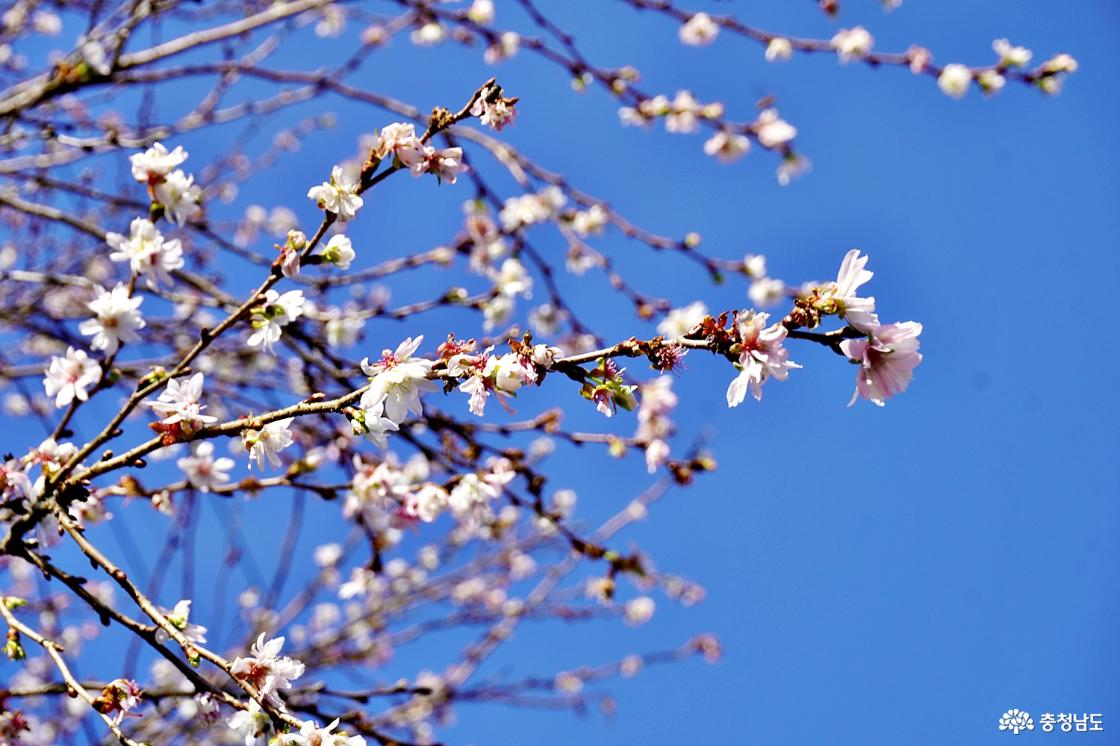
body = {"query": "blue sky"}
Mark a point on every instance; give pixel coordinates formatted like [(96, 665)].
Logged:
[(877, 576)]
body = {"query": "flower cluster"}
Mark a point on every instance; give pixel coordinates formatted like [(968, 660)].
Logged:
[(887, 354), (400, 142), (485, 373), (146, 252), (682, 114), (494, 109), (267, 670), (654, 425), (170, 187)]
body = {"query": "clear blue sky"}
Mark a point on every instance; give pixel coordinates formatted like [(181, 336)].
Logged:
[(877, 576)]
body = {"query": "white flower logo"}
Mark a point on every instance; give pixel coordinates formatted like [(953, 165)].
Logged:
[(1015, 721)]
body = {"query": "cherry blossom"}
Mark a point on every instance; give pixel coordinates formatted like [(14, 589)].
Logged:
[(116, 319), (654, 425), (120, 696), (680, 321), (754, 265), (180, 403), (841, 296), (507, 45), (180, 197), (763, 356), (372, 423), (426, 503), (591, 221), (793, 166), (14, 482), (446, 164), (1060, 63), (427, 35), (887, 358), (203, 471), (50, 454), (512, 279), (683, 118), (477, 389), (481, 11), (94, 55), (919, 58), (270, 319), (399, 139), (250, 724), (639, 610), (339, 195), (155, 163), (853, 43), (954, 80), (179, 617), (494, 110), (531, 208), (727, 146), (772, 130), (778, 49), (510, 372), (68, 377), (471, 494), (339, 251), (311, 734), (1010, 55), (990, 81), (146, 251), (766, 292), (267, 670), (266, 443), (699, 30), (398, 379), (545, 355)]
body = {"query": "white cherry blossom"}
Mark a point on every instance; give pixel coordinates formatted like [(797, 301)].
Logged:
[(180, 403), (699, 30), (853, 43), (267, 443), (68, 377), (146, 251), (397, 380), (339, 195), (116, 319), (267, 670), (180, 197), (203, 471), (276, 312), (156, 162)]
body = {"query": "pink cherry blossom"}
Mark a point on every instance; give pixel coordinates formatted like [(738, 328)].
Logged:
[(763, 356), (887, 360)]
